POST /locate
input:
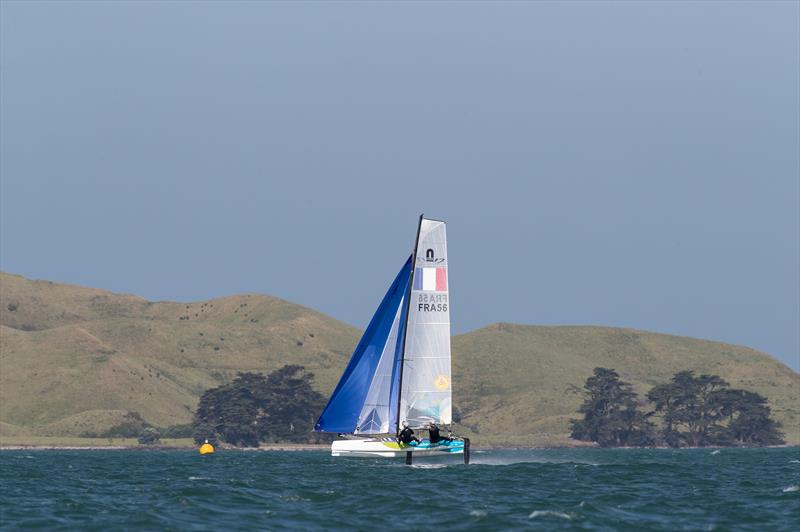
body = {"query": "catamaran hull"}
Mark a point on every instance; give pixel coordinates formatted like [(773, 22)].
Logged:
[(389, 448)]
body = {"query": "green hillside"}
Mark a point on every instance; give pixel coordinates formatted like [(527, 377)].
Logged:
[(75, 360)]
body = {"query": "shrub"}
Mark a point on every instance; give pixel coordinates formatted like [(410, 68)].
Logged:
[(149, 436)]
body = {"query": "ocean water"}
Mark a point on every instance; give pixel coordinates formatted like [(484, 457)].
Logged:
[(575, 489)]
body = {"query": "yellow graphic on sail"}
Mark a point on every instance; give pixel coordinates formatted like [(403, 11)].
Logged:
[(442, 382)]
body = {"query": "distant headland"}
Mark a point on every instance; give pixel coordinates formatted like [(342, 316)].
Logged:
[(77, 363)]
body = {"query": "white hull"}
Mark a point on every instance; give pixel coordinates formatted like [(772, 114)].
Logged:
[(389, 448)]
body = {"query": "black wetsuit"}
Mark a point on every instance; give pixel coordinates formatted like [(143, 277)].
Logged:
[(435, 437), (406, 435)]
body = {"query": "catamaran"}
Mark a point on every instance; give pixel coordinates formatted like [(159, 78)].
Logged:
[(400, 370)]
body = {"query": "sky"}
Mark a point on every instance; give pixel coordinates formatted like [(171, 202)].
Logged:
[(619, 164)]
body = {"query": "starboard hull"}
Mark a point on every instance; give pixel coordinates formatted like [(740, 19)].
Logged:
[(389, 448)]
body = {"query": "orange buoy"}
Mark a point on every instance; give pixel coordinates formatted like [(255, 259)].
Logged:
[(206, 448)]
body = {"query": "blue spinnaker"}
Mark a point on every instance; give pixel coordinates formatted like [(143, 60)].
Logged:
[(342, 411)]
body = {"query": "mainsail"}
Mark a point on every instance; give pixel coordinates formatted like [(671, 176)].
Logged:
[(426, 394), (400, 370)]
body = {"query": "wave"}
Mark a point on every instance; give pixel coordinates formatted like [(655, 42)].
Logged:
[(429, 466), (309, 491), (294, 497), (545, 513)]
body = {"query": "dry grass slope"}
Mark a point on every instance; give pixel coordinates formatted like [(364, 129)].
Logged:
[(531, 377), (75, 360)]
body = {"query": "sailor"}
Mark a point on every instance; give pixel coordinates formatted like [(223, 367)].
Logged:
[(407, 434), (435, 437)]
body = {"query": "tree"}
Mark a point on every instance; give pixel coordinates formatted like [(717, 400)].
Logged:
[(253, 408), (702, 411), (749, 419), (611, 415), (687, 401), (666, 397)]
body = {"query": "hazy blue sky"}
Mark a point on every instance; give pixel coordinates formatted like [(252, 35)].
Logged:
[(624, 164)]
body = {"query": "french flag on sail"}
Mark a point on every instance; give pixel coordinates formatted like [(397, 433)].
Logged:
[(430, 279)]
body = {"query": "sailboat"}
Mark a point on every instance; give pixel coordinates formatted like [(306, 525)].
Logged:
[(400, 370)]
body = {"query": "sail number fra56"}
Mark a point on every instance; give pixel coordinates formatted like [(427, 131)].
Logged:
[(427, 302)]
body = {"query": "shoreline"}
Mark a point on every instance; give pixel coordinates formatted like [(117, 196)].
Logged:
[(276, 447), (308, 447)]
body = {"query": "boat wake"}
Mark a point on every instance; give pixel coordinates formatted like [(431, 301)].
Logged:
[(490, 460)]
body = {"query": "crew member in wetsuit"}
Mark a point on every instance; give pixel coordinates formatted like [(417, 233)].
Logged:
[(407, 434), (435, 437)]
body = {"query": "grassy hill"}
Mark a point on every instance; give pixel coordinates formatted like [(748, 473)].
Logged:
[(76, 360), (530, 377), (73, 359)]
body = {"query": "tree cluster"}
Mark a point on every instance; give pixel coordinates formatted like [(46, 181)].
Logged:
[(254, 408), (695, 411)]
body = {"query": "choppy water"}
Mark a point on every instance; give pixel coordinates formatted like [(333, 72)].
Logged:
[(734, 489)]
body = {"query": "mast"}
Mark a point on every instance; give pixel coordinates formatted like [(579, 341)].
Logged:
[(405, 325)]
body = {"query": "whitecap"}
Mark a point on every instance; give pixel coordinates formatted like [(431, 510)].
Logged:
[(477, 514), (791, 489), (199, 478), (794, 461), (715, 452), (544, 513), (429, 466), (294, 498)]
